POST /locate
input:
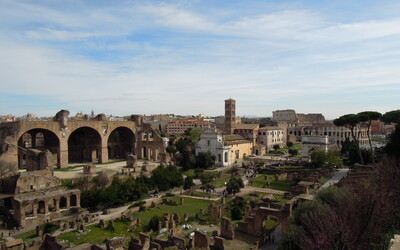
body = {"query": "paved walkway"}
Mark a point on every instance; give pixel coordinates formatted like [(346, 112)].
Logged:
[(275, 240), (111, 167), (337, 176)]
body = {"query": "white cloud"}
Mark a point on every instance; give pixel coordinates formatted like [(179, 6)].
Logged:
[(268, 60)]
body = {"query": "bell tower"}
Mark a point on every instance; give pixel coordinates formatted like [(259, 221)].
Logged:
[(230, 116)]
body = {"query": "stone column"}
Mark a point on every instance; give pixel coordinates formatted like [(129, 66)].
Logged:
[(68, 201), (104, 150), (63, 153), (57, 204), (46, 207), (35, 206)]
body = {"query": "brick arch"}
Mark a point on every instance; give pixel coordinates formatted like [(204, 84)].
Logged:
[(264, 213), (51, 142), (84, 145), (41, 207), (120, 142)]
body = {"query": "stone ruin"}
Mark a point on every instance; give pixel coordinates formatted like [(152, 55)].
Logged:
[(89, 169), (132, 161), (200, 240), (145, 242), (281, 176), (227, 230), (219, 243), (169, 202), (216, 211), (116, 243)]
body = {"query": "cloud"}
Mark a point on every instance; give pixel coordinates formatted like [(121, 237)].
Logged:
[(176, 58)]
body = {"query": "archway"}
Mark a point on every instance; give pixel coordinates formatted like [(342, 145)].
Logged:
[(41, 207), (83, 145), (151, 156), (73, 200), (120, 143), (41, 139), (29, 210), (63, 202), (144, 152), (52, 204)]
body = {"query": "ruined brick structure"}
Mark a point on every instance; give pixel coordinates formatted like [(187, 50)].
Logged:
[(36, 197), (79, 141)]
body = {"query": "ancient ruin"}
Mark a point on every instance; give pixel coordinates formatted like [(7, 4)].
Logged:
[(78, 141)]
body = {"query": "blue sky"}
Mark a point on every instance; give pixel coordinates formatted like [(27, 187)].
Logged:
[(186, 57)]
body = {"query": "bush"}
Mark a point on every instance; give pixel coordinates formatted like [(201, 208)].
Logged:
[(289, 144), (198, 172), (236, 213), (293, 151), (188, 183), (142, 208), (276, 147), (154, 222), (49, 228)]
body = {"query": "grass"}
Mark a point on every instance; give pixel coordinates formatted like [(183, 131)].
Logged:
[(277, 185), (202, 194), (189, 172), (28, 237), (190, 206), (98, 235), (378, 139), (270, 224), (220, 182)]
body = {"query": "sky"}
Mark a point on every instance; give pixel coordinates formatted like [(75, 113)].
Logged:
[(187, 57)]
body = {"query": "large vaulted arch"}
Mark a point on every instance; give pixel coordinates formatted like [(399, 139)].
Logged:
[(84, 145), (120, 143), (40, 139)]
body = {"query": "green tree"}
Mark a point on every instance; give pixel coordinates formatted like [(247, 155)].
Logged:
[(276, 147), (234, 185), (205, 160), (393, 145), (188, 183), (391, 117), (171, 149), (154, 222), (369, 116), (329, 159), (351, 121), (207, 177), (289, 144), (293, 151)]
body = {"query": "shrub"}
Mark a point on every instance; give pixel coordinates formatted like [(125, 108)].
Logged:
[(154, 222)]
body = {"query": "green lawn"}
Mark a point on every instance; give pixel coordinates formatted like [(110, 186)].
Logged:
[(378, 139), (220, 182), (201, 194), (270, 224), (189, 172), (28, 237), (277, 185), (190, 206), (98, 235)]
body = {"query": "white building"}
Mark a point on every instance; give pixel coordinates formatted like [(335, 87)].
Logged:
[(270, 136), (212, 140)]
